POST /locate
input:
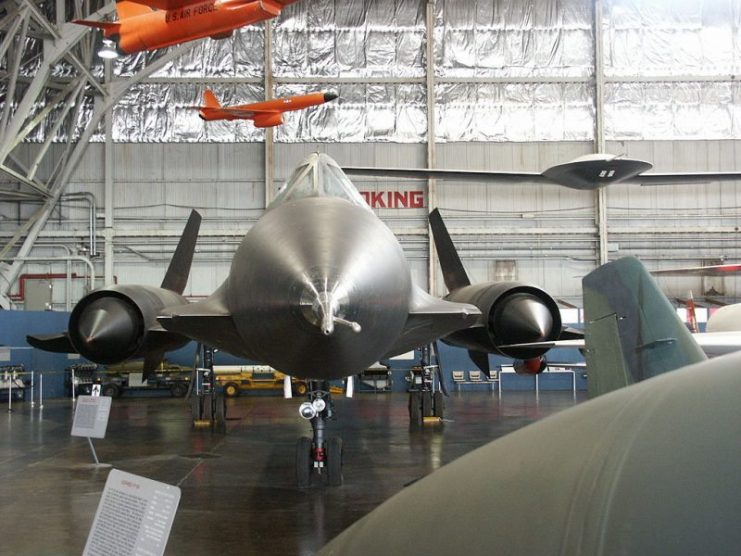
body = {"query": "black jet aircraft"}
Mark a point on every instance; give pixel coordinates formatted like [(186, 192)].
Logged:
[(648, 469), (319, 288)]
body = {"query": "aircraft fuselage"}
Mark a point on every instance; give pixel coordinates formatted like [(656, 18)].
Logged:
[(307, 258), (162, 28)]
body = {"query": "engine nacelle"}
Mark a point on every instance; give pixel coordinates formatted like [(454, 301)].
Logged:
[(533, 366), (513, 313), (268, 120), (110, 325)]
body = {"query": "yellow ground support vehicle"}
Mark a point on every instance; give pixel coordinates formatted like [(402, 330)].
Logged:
[(242, 378)]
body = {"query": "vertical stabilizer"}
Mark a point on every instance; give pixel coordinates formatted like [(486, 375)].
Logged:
[(179, 269), (210, 100), (632, 331), (453, 272)]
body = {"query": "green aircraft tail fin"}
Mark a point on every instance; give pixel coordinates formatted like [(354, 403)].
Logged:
[(632, 331)]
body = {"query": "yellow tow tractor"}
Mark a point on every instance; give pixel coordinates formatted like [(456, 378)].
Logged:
[(235, 379)]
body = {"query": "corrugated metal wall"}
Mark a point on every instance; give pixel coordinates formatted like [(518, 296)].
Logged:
[(548, 230)]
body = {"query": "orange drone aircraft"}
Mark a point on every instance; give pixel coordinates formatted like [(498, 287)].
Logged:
[(151, 24), (267, 113)]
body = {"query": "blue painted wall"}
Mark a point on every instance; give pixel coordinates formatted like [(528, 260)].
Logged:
[(15, 325)]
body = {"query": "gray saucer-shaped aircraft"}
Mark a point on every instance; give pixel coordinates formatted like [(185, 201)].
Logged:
[(319, 289), (590, 171)]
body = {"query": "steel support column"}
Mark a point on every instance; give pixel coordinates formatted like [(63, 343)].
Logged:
[(268, 83), (599, 130), (108, 229), (431, 151)]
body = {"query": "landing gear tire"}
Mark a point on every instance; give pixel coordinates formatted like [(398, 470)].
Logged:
[(303, 462), (231, 390), (426, 404), (415, 408), (111, 390), (220, 414), (300, 389), (438, 405), (207, 406), (195, 408), (334, 461), (178, 390)]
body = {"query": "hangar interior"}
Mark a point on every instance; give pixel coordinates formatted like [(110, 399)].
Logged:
[(512, 86), (101, 163)]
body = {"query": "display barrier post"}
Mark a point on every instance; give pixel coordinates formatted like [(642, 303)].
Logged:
[(33, 403), (10, 391), (41, 390)]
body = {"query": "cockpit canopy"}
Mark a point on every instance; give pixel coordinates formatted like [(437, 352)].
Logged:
[(318, 176)]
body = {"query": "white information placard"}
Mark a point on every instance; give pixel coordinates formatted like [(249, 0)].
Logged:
[(134, 517), (91, 416)]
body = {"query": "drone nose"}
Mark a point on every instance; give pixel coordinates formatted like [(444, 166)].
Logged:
[(330, 96)]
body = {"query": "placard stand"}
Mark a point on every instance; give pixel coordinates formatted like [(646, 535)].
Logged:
[(91, 420), (134, 516), (92, 449)]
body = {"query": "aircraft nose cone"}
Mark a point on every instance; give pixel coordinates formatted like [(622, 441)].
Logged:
[(524, 318), (330, 96), (330, 285), (105, 330)]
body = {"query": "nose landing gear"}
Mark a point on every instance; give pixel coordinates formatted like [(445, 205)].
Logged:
[(318, 455)]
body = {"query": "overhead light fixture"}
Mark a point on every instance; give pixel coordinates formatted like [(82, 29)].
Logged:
[(108, 52)]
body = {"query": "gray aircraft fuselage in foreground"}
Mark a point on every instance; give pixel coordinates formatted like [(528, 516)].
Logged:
[(651, 468)]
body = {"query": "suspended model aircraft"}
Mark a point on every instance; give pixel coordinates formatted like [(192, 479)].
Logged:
[(591, 171), (264, 114), (319, 288), (649, 469), (152, 24)]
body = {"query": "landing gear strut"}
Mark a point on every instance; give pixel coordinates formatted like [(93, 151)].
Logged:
[(208, 407), (318, 455), (425, 395)]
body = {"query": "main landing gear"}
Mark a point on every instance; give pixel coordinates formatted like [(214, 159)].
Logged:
[(208, 407), (318, 455), (426, 403)]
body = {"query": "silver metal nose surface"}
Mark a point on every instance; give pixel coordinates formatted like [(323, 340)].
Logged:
[(307, 290)]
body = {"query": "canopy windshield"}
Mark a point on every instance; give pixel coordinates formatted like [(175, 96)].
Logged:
[(318, 176)]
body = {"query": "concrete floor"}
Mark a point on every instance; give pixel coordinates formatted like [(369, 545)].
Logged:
[(238, 493)]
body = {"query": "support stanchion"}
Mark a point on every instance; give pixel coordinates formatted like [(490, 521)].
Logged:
[(41, 390), (92, 449), (73, 384), (33, 403), (10, 392)]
